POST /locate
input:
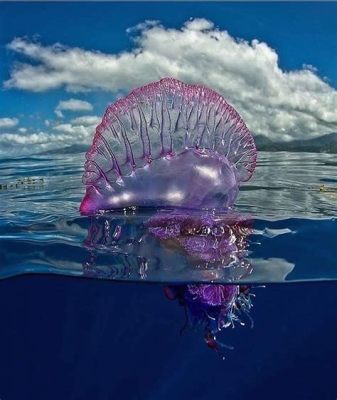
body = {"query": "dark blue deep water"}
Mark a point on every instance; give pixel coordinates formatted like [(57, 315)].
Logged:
[(83, 309), (83, 339)]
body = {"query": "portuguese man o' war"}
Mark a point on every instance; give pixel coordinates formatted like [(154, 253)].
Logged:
[(183, 151), (168, 144)]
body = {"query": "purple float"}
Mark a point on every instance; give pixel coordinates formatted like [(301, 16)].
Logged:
[(168, 144)]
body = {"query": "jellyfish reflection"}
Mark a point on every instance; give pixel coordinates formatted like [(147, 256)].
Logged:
[(169, 246)]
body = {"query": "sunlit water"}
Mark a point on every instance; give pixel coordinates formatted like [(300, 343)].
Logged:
[(289, 231)]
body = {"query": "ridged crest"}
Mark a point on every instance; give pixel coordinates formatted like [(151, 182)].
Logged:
[(161, 120)]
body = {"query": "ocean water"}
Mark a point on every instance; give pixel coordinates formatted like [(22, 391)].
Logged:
[(84, 312), (285, 227)]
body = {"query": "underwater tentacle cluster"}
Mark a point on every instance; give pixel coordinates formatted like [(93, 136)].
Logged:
[(213, 307)]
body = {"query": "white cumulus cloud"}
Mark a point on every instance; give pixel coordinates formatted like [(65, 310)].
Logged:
[(59, 135), (281, 104), (72, 105), (6, 123), (86, 120)]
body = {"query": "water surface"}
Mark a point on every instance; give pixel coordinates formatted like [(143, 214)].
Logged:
[(288, 233)]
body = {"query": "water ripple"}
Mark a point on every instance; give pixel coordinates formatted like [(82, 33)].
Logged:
[(290, 236)]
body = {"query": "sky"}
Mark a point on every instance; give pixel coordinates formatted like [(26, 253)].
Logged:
[(61, 64)]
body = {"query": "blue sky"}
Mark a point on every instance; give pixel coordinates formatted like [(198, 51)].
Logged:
[(298, 33)]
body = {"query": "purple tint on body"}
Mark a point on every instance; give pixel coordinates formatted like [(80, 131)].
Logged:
[(204, 236), (212, 295), (213, 307), (169, 245), (168, 144)]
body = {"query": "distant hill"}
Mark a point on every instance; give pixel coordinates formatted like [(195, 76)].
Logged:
[(322, 144), (73, 149)]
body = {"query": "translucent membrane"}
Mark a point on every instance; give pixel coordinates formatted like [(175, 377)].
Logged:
[(168, 144), (213, 308), (166, 243)]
